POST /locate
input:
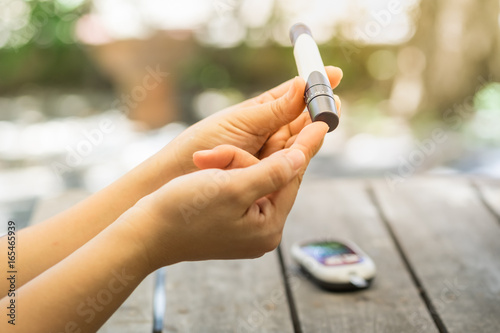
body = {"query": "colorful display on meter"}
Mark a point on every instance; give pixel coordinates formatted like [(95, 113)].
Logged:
[(331, 253)]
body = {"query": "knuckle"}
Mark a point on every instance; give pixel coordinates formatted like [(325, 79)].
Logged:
[(234, 193), (231, 191), (256, 255), (272, 242), (276, 109), (221, 178), (277, 175), (225, 147)]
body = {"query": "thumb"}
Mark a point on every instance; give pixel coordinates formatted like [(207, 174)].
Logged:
[(224, 157), (270, 174), (277, 112)]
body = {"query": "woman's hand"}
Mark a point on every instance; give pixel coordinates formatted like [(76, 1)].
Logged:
[(238, 212), (260, 126)]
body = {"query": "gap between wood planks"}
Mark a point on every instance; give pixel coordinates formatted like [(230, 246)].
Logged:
[(289, 295), (414, 277), (474, 184)]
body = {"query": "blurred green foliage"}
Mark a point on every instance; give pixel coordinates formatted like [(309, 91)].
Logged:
[(44, 52)]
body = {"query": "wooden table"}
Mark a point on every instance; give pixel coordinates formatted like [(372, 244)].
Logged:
[(435, 241)]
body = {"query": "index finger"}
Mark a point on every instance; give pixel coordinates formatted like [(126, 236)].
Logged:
[(310, 139)]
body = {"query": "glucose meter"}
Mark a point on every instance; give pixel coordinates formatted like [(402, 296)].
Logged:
[(335, 265)]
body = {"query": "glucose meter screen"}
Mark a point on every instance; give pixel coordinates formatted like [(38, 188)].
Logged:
[(324, 252)]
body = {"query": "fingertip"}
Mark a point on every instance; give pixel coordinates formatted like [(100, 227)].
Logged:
[(340, 72), (310, 138), (316, 127), (338, 104), (335, 71), (297, 87), (299, 80), (289, 106), (335, 75), (201, 153), (199, 157), (320, 127)]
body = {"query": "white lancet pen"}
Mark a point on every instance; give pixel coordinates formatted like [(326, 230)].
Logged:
[(318, 93)]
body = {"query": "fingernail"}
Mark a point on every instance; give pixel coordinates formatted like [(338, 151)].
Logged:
[(291, 90), (296, 157), (203, 152), (324, 125)]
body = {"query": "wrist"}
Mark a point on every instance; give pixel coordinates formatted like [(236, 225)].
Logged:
[(178, 154), (128, 240), (155, 172), (149, 249)]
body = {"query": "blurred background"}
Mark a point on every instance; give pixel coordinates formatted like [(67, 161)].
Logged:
[(89, 89)]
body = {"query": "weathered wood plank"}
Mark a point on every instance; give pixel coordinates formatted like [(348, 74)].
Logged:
[(452, 242), (136, 313), (343, 209), (489, 190), (227, 296)]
